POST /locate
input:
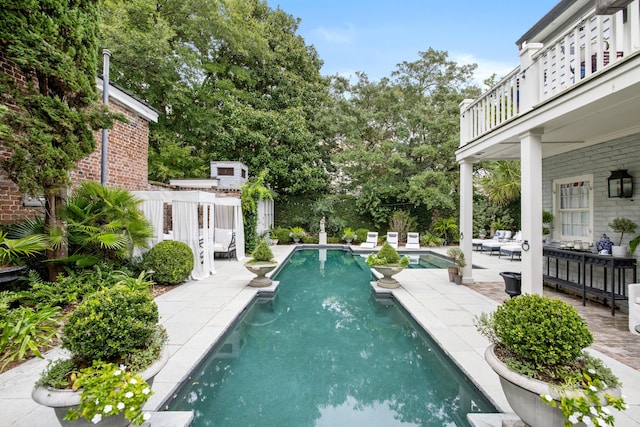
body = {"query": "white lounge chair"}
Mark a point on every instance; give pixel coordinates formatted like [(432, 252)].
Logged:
[(372, 240), (413, 241), (392, 239)]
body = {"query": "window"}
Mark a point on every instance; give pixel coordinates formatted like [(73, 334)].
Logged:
[(225, 171), (244, 173), (574, 208)]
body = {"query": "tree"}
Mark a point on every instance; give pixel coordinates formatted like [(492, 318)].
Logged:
[(54, 112), (234, 82), (501, 182), (399, 142)]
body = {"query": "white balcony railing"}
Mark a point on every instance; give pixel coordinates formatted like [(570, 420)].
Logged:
[(585, 48)]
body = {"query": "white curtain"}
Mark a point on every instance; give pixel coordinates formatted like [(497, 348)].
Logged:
[(153, 212), (207, 238), (186, 230)]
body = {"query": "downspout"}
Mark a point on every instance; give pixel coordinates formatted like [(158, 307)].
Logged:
[(105, 100)]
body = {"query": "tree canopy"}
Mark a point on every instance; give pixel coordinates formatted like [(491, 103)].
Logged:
[(234, 82), (54, 109)]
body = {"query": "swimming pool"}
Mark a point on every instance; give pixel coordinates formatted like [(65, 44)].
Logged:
[(325, 351)]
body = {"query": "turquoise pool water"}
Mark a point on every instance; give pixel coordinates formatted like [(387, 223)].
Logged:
[(326, 352)]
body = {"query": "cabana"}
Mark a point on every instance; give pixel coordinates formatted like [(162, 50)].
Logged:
[(192, 222), (228, 222)]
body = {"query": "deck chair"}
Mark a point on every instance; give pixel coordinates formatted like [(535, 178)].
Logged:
[(372, 240), (392, 239), (413, 241)]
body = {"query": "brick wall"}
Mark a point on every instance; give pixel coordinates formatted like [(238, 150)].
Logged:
[(127, 154)]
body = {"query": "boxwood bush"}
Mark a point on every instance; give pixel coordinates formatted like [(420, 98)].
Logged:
[(170, 261), (540, 330), (111, 323)]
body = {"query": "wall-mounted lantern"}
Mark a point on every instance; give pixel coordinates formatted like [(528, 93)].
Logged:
[(620, 184)]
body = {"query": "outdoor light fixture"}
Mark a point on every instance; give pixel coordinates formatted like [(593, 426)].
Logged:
[(620, 184)]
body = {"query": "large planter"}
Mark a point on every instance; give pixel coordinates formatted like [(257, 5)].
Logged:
[(523, 394), (63, 400), (512, 283), (387, 271), (260, 270)]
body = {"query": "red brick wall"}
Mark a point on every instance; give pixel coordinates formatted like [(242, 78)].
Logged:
[(127, 155)]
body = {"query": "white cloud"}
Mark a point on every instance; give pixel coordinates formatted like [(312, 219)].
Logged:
[(485, 67), (336, 35)]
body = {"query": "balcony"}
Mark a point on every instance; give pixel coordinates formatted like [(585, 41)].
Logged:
[(565, 65)]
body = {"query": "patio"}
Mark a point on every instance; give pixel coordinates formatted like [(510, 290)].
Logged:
[(199, 312)]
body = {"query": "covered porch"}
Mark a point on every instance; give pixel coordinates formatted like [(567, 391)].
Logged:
[(568, 112)]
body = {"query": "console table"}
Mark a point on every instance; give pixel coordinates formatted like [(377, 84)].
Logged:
[(613, 266)]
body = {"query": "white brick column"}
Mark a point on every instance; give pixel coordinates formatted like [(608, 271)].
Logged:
[(466, 217), (531, 202)]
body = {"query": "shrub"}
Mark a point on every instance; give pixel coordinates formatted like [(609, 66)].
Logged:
[(387, 255), (170, 261), (282, 234), (262, 252), (362, 234), (111, 323), (540, 331)]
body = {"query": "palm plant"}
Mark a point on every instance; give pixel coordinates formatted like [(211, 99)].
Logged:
[(501, 185), (104, 223), (445, 227), (13, 250)]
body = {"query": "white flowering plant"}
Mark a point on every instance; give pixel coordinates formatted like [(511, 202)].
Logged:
[(593, 405), (108, 389)]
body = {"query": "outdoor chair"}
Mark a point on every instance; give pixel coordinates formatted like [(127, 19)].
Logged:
[(392, 239), (413, 241), (227, 247), (372, 240)]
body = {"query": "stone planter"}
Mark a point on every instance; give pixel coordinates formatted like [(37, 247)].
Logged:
[(63, 400), (260, 270), (523, 395), (387, 271)]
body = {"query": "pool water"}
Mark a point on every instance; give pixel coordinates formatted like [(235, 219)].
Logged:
[(326, 352)]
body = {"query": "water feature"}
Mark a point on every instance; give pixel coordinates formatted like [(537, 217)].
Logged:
[(326, 352)]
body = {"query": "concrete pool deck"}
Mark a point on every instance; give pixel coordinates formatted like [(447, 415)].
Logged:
[(198, 313)]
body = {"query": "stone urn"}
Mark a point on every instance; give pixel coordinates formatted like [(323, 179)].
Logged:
[(387, 271), (523, 394), (260, 270), (63, 400)]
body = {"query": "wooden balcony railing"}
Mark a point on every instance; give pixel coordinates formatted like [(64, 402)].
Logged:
[(587, 47)]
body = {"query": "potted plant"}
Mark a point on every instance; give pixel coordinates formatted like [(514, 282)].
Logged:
[(461, 264), (297, 233), (348, 235), (621, 225), (116, 347), (456, 255), (260, 264), (537, 350), (387, 262), (547, 220)]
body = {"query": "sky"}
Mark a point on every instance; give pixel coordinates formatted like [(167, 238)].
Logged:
[(374, 36)]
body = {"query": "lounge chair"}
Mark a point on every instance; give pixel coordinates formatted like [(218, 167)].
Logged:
[(392, 239), (372, 240), (501, 238), (225, 243), (413, 241), (511, 249)]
